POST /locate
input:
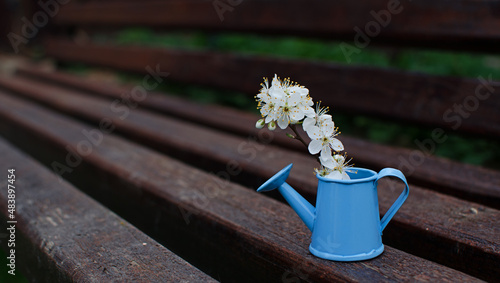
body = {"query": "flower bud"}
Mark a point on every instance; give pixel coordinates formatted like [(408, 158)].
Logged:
[(260, 124), (271, 126)]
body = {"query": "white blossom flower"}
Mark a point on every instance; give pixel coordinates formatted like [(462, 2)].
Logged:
[(316, 118), (293, 108), (268, 102), (339, 172), (323, 140), (342, 167), (294, 102), (284, 102)]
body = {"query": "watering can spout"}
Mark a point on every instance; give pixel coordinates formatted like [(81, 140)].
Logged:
[(302, 207)]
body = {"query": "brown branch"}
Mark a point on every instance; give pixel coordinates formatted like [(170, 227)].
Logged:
[(297, 135)]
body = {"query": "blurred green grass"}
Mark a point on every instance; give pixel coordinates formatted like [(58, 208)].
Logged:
[(469, 149), (426, 61)]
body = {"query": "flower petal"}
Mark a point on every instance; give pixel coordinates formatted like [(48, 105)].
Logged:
[(296, 114), (308, 111), (335, 174), (326, 152), (276, 82), (336, 144), (283, 122), (314, 133), (308, 123), (265, 109), (302, 91), (325, 118), (328, 128), (315, 146), (328, 163), (294, 99), (277, 92), (345, 176)]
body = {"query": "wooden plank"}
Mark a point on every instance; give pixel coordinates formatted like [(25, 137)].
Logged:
[(62, 235), (462, 24), (436, 101), (469, 182), (241, 234), (427, 219)]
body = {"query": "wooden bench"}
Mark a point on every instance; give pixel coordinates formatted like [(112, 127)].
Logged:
[(63, 235), (185, 173)]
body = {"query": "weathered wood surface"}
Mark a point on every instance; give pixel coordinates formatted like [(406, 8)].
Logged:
[(469, 182), (462, 24), (467, 105), (427, 218), (62, 235), (240, 234)]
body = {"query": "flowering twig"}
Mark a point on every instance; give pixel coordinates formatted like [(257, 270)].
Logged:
[(287, 104)]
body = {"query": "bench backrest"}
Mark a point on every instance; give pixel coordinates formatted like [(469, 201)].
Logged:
[(437, 101)]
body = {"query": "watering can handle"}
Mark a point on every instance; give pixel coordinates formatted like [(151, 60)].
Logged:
[(386, 172)]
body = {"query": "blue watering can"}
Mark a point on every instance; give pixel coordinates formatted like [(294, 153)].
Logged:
[(345, 223)]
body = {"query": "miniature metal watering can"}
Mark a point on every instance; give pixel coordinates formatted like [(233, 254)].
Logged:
[(345, 223)]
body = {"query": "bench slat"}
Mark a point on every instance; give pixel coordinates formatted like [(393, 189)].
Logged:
[(252, 237), (440, 222), (469, 182), (62, 235), (462, 24), (393, 94)]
